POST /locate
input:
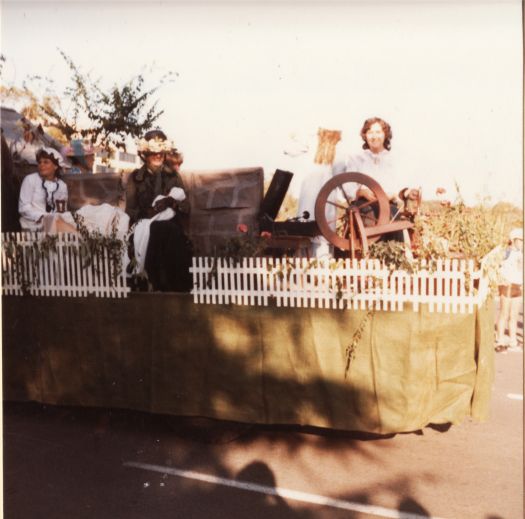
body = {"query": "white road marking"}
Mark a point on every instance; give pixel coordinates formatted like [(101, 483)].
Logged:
[(281, 492), (515, 396)]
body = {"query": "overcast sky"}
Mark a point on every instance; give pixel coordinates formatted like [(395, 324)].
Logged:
[(447, 76)]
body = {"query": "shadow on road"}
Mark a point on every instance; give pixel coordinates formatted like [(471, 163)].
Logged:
[(70, 462)]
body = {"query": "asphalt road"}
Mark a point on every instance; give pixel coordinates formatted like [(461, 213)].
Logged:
[(64, 463)]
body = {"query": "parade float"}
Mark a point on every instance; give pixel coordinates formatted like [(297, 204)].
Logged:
[(379, 338)]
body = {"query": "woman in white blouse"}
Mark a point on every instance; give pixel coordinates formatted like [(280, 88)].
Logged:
[(375, 160), (42, 192)]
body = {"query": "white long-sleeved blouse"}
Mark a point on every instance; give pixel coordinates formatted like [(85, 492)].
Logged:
[(379, 166), (34, 194)]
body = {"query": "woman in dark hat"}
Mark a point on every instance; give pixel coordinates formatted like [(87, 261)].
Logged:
[(154, 178), (152, 190), (42, 192)]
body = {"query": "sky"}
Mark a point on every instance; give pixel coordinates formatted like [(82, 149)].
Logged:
[(446, 75)]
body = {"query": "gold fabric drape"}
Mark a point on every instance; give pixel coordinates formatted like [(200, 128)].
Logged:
[(161, 353)]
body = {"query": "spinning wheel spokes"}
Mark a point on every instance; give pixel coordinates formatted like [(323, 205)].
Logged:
[(339, 206), (351, 219), (347, 198)]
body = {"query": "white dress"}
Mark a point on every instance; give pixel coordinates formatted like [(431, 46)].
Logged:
[(34, 194), (317, 177), (101, 218)]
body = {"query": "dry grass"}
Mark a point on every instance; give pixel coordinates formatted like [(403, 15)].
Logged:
[(461, 231)]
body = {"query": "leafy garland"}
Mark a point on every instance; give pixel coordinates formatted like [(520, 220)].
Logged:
[(244, 245), (356, 338), (93, 244), (39, 251)]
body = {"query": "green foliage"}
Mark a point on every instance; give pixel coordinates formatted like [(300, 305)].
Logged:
[(452, 231), (28, 278), (245, 244), (458, 231), (94, 245), (104, 116), (116, 113), (356, 338), (393, 254)]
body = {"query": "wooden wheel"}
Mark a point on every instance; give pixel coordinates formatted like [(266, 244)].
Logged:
[(346, 223)]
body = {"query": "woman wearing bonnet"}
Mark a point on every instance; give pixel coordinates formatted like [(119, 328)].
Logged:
[(153, 179), (156, 201), (42, 192)]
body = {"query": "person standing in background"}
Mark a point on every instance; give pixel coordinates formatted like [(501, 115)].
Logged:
[(320, 172), (510, 292), (82, 157)]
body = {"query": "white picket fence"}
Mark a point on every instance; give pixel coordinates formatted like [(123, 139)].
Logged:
[(450, 286), (60, 272), (445, 285)]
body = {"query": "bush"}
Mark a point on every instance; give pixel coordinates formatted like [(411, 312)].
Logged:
[(458, 231), (453, 231)]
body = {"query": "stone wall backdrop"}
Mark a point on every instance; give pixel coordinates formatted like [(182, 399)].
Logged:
[(95, 189), (220, 200)]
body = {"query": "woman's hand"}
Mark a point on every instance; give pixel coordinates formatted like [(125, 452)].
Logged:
[(164, 203)]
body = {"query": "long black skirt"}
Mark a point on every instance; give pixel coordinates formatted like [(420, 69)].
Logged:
[(168, 257)]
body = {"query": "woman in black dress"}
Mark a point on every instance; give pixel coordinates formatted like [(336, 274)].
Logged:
[(168, 255)]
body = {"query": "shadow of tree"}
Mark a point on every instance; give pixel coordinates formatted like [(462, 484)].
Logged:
[(143, 362), (160, 353), (72, 468)]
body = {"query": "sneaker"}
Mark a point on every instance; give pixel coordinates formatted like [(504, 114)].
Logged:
[(500, 348)]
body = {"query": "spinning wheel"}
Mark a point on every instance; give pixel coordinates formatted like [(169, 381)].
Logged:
[(350, 224)]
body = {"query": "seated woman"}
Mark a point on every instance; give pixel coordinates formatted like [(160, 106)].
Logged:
[(377, 162), (156, 201), (43, 192)]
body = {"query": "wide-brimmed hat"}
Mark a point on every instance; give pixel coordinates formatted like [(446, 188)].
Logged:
[(516, 234)]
